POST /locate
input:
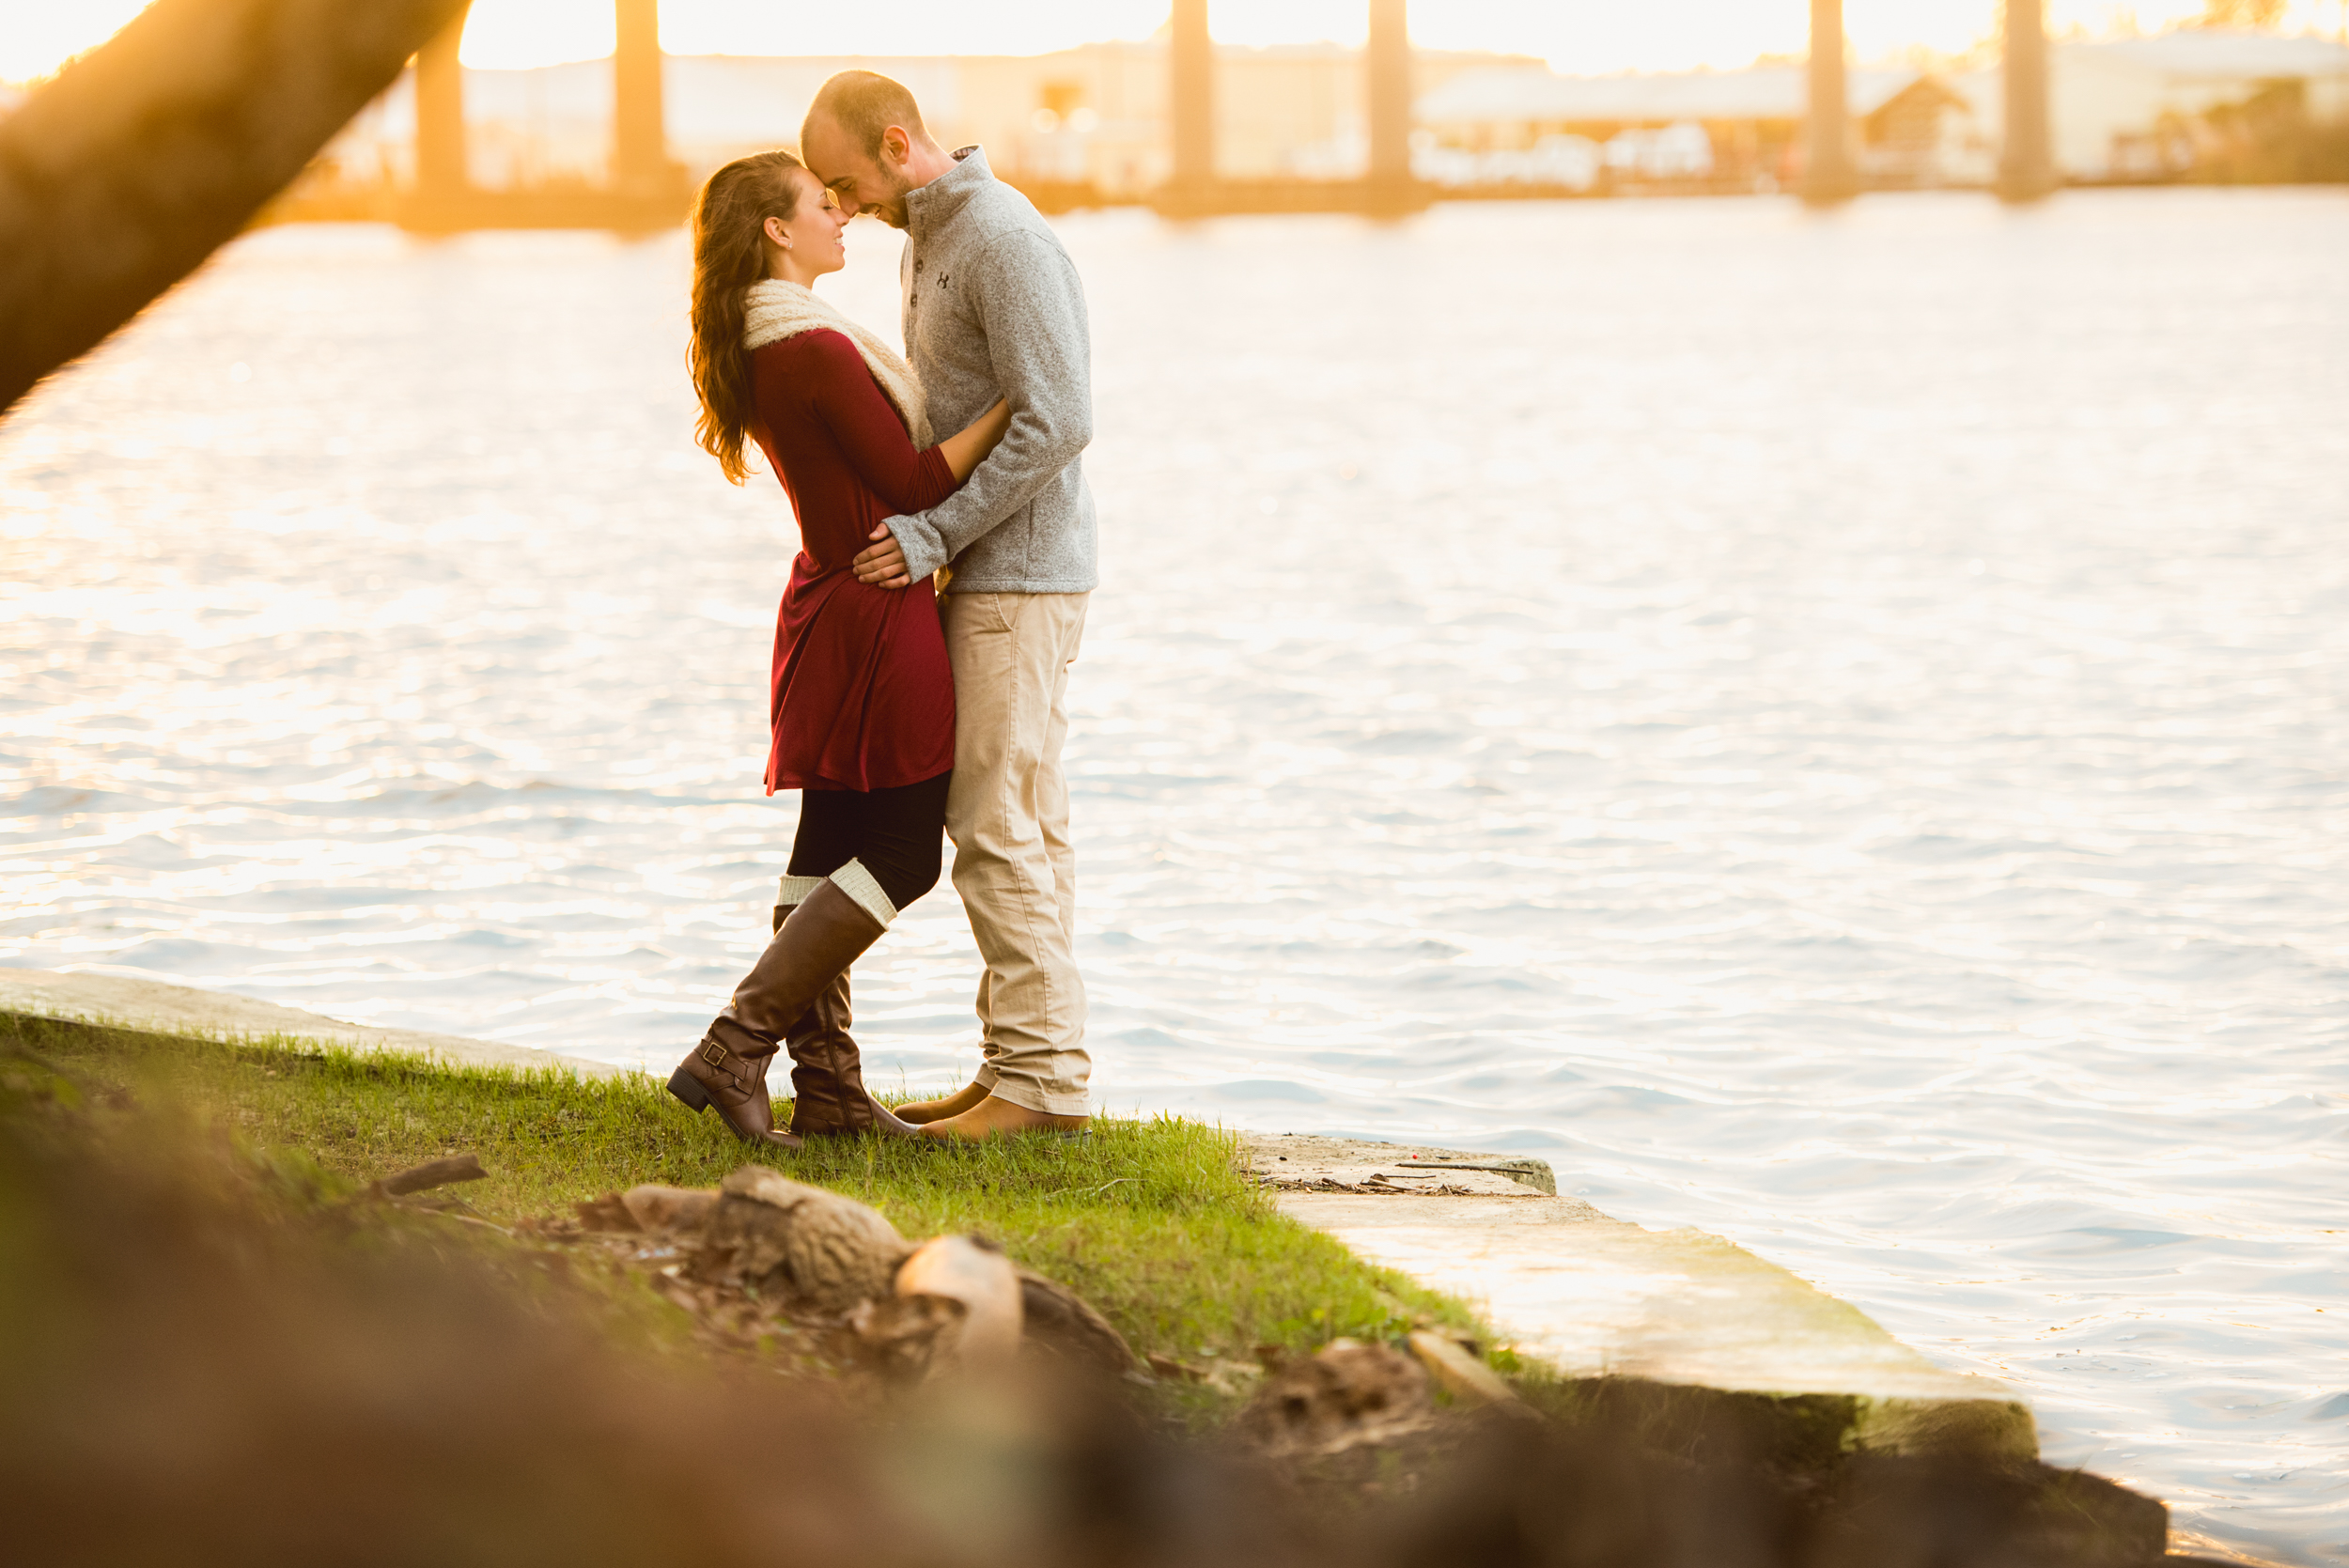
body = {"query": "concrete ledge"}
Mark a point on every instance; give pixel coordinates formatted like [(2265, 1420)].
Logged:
[(1594, 1296), (184, 1009), (1302, 1162)]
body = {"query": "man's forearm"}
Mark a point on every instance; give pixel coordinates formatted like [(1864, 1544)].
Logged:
[(1036, 449)]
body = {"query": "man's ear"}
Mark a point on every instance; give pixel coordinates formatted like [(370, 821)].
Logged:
[(897, 147)]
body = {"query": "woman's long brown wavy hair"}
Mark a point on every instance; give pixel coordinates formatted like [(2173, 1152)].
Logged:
[(729, 255)]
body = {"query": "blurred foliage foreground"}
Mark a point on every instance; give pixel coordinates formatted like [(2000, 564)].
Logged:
[(224, 1338)]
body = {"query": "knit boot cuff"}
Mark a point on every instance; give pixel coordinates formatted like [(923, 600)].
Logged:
[(859, 884), (793, 891)]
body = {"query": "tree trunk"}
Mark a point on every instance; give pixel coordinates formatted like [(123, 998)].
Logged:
[(140, 160)]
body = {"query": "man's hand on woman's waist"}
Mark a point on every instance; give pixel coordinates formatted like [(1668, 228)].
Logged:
[(883, 565)]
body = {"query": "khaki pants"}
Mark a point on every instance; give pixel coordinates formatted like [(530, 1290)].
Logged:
[(1007, 813)]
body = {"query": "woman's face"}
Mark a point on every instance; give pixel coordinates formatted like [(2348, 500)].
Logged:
[(812, 238)]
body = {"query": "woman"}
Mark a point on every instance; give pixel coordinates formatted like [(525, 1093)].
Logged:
[(862, 699)]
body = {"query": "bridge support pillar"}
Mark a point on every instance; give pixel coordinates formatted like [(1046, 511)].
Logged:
[(1828, 174), (640, 147), (2025, 162), (1192, 108), (441, 167), (1387, 64)]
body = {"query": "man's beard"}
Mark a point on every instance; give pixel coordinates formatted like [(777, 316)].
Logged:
[(893, 211)]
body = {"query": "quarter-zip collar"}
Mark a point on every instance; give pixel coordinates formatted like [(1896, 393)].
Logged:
[(934, 205)]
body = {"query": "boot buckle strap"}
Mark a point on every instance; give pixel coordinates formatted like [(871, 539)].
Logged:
[(713, 1052)]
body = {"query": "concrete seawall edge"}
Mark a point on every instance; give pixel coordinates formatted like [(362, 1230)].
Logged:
[(1586, 1293)]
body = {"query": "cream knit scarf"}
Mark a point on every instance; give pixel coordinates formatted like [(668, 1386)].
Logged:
[(773, 310)]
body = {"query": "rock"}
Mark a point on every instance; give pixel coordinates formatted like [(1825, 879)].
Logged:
[(1996, 1431), (1348, 1394), (1460, 1375), (606, 1214), (804, 1249), (648, 1209), (1890, 1513), (1223, 1377), (976, 1273), (899, 1335), (1596, 1496), (659, 1209), (1059, 1321)]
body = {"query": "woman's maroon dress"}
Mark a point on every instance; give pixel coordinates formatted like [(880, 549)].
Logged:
[(862, 695)]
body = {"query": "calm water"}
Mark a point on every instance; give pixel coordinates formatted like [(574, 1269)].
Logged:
[(1830, 730)]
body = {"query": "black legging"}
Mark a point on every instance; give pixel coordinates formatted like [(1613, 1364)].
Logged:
[(894, 832)]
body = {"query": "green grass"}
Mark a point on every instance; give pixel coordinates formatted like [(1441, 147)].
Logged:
[(1153, 1221)]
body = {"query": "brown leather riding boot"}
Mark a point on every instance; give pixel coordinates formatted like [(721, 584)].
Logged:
[(816, 1040), (728, 1070), (824, 934), (828, 1096)]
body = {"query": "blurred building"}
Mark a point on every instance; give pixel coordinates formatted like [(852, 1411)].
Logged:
[(2141, 108), (1093, 117), (2150, 108), (1734, 128)]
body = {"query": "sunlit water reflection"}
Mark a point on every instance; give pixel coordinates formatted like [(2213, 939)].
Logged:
[(1831, 730)]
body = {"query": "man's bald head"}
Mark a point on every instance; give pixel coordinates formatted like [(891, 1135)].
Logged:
[(864, 136), (866, 104)]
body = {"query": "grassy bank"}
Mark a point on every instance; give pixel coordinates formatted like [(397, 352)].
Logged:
[(1152, 1220), (186, 1278)]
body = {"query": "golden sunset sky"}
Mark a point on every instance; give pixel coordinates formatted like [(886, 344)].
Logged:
[(1575, 35)]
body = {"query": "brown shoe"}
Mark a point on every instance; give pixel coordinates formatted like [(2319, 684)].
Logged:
[(829, 1098), (994, 1117), (734, 1080), (965, 1099)]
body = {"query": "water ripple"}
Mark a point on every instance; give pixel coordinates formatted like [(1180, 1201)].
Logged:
[(1829, 729)]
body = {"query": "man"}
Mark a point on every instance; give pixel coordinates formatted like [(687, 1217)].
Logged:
[(993, 309)]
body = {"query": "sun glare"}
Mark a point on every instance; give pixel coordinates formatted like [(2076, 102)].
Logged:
[(36, 39), (1575, 35)]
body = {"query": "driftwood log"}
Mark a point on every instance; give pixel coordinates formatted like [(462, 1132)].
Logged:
[(142, 158), (804, 1248), (974, 1274), (811, 1251), (1058, 1321), (424, 1179)]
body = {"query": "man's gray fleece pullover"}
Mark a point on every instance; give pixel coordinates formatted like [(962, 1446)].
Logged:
[(993, 309)]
